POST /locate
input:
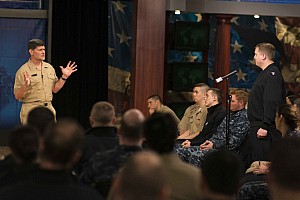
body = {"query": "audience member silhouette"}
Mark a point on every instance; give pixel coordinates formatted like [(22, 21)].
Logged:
[(103, 166), (23, 143), (221, 174), (103, 134), (284, 176), (286, 120), (142, 177), (39, 117), (161, 133), (60, 148), (255, 180)]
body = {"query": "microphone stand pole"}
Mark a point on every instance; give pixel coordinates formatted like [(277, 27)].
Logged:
[(228, 100)]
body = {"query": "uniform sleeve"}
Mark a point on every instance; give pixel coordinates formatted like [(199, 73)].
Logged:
[(176, 118), (209, 129), (55, 77), (238, 133), (218, 139), (238, 129), (19, 79), (183, 124), (273, 97)]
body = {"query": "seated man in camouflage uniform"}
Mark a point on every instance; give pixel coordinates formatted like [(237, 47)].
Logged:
[(194, 117), (239, 127)]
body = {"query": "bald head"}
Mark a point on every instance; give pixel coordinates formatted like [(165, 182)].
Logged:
[(132, 124), (133, 117)]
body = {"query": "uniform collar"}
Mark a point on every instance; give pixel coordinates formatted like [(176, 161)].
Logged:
[(32, 66)]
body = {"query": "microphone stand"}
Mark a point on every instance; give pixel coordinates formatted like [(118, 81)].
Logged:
[(228, 100)]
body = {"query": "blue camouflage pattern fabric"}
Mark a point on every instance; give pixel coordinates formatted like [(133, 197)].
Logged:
[(257, 190), (293, 133), (103, 166), (239, 127)]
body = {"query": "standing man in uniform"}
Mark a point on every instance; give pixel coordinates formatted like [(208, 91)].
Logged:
[(36, 80), (267, 94)]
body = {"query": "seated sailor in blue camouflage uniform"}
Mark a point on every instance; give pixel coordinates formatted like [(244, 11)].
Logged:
[(238, 129)]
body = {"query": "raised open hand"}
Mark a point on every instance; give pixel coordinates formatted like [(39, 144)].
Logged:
[(26, 79), (69, 69)]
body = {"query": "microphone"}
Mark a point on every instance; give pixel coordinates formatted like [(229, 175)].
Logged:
[(218, 80)]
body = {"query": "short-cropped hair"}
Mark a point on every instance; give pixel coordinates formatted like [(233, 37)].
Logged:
[(34, 43), (155, 97), (216, 92), (103, 112), (268, 49)]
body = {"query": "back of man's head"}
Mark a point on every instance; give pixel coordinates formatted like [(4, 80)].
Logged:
[(240, 94), (161, 132), (40, 117), (142, 177), (217, 93), (285, 165), (102, 114), (24, 143), (131, 127), (62, 142), (221, 172)]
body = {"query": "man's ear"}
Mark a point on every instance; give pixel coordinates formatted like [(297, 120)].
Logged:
[(241, 102), (91, 121), (114, 120), (30, 52)]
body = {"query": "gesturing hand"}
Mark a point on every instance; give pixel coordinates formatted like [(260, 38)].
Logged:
[(69, 69), (26, 79)]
